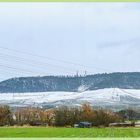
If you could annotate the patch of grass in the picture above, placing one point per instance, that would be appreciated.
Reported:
(68, 132)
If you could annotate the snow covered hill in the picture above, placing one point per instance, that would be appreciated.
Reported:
(113, 98)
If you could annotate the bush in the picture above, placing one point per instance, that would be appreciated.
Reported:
(5, 116)
(65, 116)
(104, 118)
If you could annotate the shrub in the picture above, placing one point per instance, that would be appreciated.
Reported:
(5, 116)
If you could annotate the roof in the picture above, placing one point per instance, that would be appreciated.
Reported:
(86, 123)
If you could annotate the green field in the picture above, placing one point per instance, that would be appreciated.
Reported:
(68, 132)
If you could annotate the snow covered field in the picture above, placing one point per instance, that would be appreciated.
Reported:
(101, 97)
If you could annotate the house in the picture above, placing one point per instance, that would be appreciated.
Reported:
(83, 125)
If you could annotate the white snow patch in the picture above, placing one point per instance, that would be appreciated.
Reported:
(105, 95)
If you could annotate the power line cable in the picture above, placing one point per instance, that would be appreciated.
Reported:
(18, 69)
(54, 59)
(31, 62)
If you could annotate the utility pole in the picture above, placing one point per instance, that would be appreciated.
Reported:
(77, 73)
(85, 73)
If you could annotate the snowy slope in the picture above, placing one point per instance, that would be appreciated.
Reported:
(113, 97)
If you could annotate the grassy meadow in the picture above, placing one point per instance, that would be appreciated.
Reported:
(41, 132)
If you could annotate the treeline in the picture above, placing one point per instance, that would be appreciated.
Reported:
(62, 116)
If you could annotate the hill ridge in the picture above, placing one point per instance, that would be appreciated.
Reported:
(124, 80)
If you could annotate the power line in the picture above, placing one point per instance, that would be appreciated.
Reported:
(18, 69)
(32, 62)
(7, 72)
(54, 59)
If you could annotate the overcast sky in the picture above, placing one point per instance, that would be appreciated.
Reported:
(62, 38)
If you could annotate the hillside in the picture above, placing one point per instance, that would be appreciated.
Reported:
(112, 98)
(71, 84)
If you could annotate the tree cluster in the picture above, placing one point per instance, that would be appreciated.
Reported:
(61, 116)
(65, 116)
